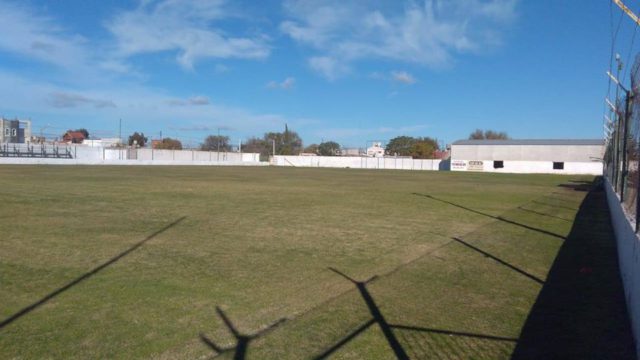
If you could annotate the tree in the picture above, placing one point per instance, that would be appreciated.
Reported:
(287, 143)
(311, 149)
(84, 132)
(169, 144)
(215, 143)
(138, 138)
(417, 148)
(400, 145)
(478, 134)
(424, 148)
(257, 145)
(329, 148)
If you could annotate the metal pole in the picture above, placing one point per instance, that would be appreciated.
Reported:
(273, 141)
(625, 131)
(218, 144)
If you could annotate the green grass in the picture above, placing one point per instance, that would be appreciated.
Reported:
(258, 243)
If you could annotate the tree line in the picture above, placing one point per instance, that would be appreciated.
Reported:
(289, 142)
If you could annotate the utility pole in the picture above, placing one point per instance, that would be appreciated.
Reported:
(273, 141)
(218, 141)
(120, 130)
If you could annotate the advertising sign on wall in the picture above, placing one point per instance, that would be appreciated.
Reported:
(458, 165)
(475, 165)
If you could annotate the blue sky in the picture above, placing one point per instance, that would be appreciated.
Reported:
(348, 71)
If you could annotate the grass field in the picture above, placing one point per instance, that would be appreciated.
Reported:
(131, 262)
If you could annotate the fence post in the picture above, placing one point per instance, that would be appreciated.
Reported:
(625, 131)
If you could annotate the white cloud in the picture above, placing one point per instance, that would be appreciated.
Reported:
(184, 27)
(71, 100)
(285, 84)
(192, 101)
(143, 107)
(427, 33)
(30, 34)
(403, 77)
(328, 67)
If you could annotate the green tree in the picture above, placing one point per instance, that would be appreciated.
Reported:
(329, 148)
(478, 134)
(424, 148)
(138, 138)
(215, 142)
(417, 148)
(400, 146)
(169, 144)
(287, 142)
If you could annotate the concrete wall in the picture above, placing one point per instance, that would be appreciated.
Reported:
(566, 153)
(528, 167)
(53, 161)
(356, 162)
(87, 155)
(629, 258)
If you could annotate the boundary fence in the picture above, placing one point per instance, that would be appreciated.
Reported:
(622, 151)
(359, 162)
(622, 155)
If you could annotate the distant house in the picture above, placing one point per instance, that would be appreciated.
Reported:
(375, 150)
(73, 137)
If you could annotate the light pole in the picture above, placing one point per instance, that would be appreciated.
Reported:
(218, 143)
(42, 128)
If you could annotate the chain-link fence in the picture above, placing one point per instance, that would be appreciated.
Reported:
(622, 144)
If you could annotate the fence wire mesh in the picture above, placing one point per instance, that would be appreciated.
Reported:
(622, 152)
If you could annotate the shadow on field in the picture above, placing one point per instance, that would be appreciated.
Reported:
(500, 218)
(242, 340)
(580, 313)
(85, 276)
(405, 341)
(500, 261)
(412, 348)
(543, 214)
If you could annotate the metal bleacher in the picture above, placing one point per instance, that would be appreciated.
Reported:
(35, 151)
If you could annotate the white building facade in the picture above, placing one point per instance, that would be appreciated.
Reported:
(572, 156)
(15, 131)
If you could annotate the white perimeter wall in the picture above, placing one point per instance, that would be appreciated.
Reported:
(356, 162)
(532, 167)
(85, 155)
(628, 258)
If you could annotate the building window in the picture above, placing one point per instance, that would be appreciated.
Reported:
(498, 164)
(14, 132)
(7, 131)
(558, 165)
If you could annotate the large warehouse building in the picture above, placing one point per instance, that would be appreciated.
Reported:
(528, 156)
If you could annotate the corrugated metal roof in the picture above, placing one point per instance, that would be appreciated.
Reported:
(531, 142)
